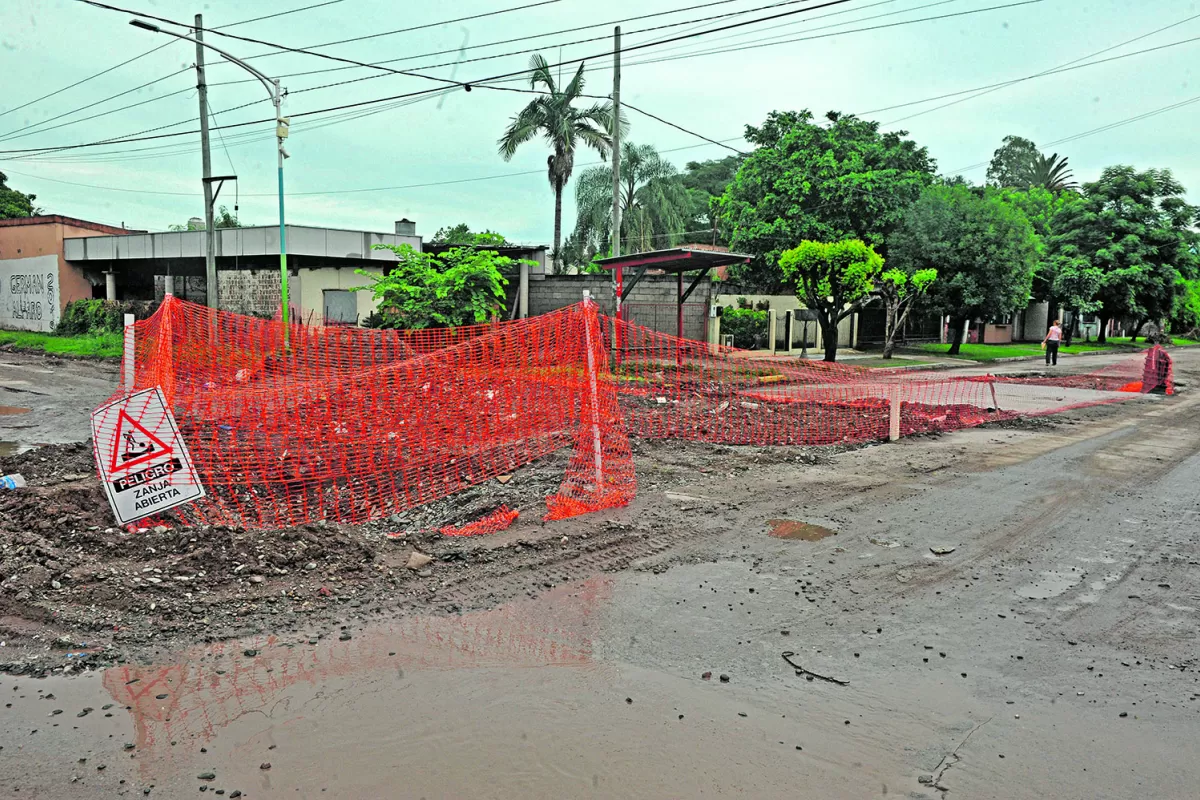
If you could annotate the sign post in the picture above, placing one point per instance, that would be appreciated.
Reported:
(143, 461)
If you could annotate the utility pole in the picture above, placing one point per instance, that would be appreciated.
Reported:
(616, 158)
(210, 234)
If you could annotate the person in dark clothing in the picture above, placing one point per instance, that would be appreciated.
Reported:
(1050, 343)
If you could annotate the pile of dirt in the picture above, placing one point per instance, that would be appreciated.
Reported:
(70, 575)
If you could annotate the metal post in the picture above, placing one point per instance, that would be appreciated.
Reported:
(128, 360)
(679, 318)
(210, 235)
(616, 156)
(280, 133)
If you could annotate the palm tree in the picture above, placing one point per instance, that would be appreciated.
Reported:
(655, 205)
(564, 127)
(1051, 172)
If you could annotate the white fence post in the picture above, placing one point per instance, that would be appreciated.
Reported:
(589, 311)
(894, 416)
(128, 355)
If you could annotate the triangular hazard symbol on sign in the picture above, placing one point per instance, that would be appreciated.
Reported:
(133, 444)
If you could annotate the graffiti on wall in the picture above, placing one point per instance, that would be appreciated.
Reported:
(29, 293)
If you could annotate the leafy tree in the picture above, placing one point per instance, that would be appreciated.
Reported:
(1040, 205)
(224, 218)
(834, 280)
(1135, 229)
(900, 292)
(805, 181)
(13, 203)
(1018, 164)
(1010, 163)
(462, 234)
(654, 203)
(461, 286)
(554, 116)
(705, 182)
(1185, 318)
(983, 249)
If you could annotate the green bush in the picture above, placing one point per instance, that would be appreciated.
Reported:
(748, 327)
(83, 317)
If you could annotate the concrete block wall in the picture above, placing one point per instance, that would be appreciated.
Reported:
(190, 288)
(249, 291)
(651, 302)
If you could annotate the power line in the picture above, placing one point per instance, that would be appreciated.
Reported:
(1061, 67)
(1100, 129)
(481, 83)
(27, 131)
(117, 66)
(605, 37)
(632, 107)
(764, 43)
(1002, 84)
(863, 113)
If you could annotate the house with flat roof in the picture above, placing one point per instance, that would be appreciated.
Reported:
(36, 278)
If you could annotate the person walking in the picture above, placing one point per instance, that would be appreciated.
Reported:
(1050, 343)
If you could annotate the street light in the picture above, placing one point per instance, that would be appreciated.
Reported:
(281, 132)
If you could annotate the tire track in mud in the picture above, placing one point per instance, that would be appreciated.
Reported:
(1134, 453)
(535, 565)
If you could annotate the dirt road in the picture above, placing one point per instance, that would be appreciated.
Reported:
(1014, 611)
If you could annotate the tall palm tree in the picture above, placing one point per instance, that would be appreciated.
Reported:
(564, 127)
(1051, 172)
(655, 205)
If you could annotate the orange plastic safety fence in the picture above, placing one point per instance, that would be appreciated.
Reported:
(494, 522)
(347, 424)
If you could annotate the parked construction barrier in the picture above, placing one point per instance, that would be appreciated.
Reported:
(347, 424)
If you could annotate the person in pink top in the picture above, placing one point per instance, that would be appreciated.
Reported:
(1050, 343)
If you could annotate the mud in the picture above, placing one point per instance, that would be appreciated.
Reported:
(1050, 652)
(791, 529)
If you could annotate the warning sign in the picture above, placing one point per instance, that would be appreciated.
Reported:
(143, 461)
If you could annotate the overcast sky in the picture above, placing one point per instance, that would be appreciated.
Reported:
(450, 140)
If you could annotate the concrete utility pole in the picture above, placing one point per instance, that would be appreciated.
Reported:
(616, 156)
(210, 234)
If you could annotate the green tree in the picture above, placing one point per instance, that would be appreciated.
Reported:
(984, 250)
(900, 291)
(1018, 164)
(832, 279)
(554, 116)
(1185, 318)
(462, 286)
(1040, 205)
(805, 181)
(1010, 163)
(462, 234)
(705, 182)
(13, 203)
(1135, 229)
(654, 203)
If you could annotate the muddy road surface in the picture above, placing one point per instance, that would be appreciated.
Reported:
(1003, 612)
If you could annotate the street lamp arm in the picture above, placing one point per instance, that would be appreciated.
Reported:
(267, 83)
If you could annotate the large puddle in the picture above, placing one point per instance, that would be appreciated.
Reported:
(507, 703)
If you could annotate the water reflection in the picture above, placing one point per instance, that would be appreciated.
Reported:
(208, 688)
